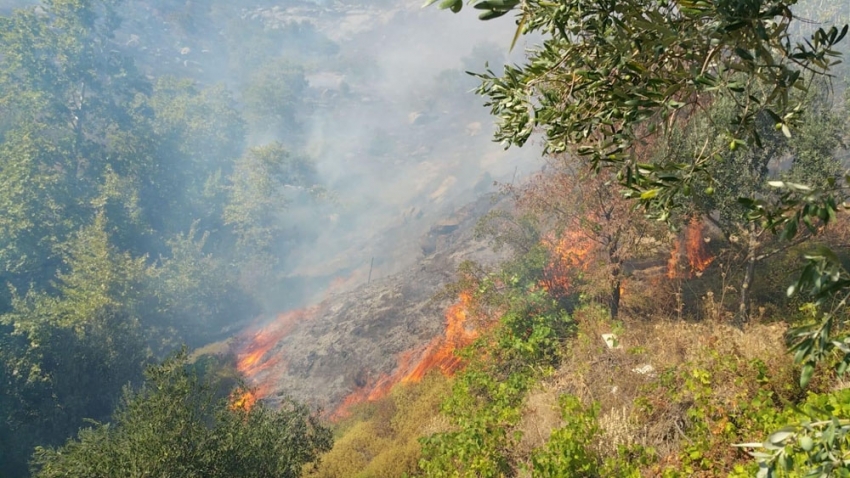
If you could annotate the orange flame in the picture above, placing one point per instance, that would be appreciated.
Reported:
(694, 250)
(698, 257)
(673, 262)
(438, 354)
(258, 365)
(243, 401)
(569, 254)
(255, 358)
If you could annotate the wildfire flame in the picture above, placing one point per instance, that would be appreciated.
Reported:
(440, 353)
(260, 367)
(243, 401)
(569, 254)
(673, 262)
(415, 364)
(254, 361)
(698, 257)
(695, 251)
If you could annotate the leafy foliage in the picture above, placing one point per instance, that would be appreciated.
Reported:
(273, 98)
(487, 397)
(263, 182)
(611, 74)
(612, 80)
(87, 337)
(818, 444)
(175, 426)
(115, 241)
(567, 451)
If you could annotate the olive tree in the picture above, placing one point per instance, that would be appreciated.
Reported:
(614, 79)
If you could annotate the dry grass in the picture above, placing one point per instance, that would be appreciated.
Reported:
(541, 415)
(618, 379)
(380, 439)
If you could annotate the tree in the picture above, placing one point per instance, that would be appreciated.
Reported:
(263, 182)
(67, 355)
(581, 206)
(37, 208)
(195, 293)
(274, 99)
(202, 135)
(73, 121)
(808, 156)
(613, 76)
(176, 426)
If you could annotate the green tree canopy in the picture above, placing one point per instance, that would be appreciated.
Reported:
(176, 426)
(613, 80)
(611, 76)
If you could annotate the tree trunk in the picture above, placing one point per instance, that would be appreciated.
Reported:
(743, 315)
(615, 297)
(615, 279)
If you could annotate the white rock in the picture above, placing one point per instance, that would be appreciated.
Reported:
(645, 369)
(611, 341)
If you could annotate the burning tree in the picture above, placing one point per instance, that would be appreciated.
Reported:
(689, 248)
(750, 173)
(592, 225)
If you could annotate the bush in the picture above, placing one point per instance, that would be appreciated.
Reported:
(174, 426)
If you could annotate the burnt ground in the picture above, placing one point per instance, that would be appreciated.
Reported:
(354, 336)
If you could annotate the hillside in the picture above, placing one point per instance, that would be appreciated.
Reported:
(290, 238)
(353, 341)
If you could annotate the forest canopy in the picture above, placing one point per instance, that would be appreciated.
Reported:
(129, 204)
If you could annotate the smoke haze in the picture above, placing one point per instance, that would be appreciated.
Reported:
(387, 113)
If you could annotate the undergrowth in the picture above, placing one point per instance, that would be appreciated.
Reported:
(380, 438)
(544, 395)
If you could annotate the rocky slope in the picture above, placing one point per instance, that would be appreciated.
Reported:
(348, 341)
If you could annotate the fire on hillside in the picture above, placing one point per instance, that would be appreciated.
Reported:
(693, 247)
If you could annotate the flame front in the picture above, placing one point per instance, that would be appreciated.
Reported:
(695, 251)
(243, 400)
(415, 364)
(440, 353)
(257, 362)
(253, 359)
(569, 254)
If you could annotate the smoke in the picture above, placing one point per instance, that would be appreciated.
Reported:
(375, 93)
(399, 138)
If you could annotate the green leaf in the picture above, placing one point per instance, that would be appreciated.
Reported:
(779, 437)
(650, 194)
(490, 15)
(454, 5)
(806, 374)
